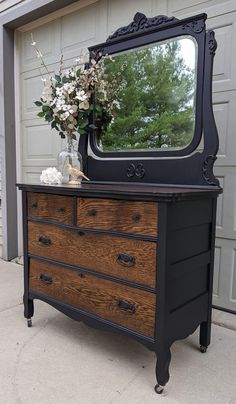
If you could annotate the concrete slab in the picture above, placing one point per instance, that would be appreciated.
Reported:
(60, 361)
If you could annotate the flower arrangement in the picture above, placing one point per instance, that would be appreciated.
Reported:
(65, 101)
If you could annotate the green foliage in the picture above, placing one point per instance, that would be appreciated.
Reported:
(156, 100)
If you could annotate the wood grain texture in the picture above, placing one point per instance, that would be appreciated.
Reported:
(98, 252)
(50, 207)
(95, 295)
(118, 215)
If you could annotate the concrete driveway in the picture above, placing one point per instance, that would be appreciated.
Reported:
(60, 361)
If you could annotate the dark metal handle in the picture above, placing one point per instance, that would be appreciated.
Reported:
(34, 205)
(127, 306)
(61, 210)
(136, 216)
(45, 278)
(44, 240)
(126, 260)
(81, 233)
(92, 212)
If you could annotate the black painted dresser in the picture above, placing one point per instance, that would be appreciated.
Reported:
(135, 259)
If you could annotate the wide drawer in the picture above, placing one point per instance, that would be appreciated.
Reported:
(130, 259)
(116, 215)
(129, 307)
(50, 207)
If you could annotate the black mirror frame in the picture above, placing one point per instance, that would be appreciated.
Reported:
(184, 166)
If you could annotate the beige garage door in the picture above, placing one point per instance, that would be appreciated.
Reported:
(73, 32)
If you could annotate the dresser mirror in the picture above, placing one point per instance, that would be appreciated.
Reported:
(155, 97)
(163, 129)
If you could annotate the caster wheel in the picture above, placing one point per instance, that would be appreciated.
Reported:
(203, 349)
(29, 322)
(158, 389)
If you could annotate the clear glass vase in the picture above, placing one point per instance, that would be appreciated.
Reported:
(70, 164)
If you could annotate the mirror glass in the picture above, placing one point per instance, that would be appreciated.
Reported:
(155, 97)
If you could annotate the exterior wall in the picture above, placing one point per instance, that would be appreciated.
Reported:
(70, 33)
(7, 4)
(0, 211)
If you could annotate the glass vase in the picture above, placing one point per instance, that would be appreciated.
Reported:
(70, 164)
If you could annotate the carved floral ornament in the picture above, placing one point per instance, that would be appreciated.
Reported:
(142, 23)
(139, 23)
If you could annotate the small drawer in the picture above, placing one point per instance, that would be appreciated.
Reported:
(129, 307)
(50, 207)
(125, 258)
(124, 216)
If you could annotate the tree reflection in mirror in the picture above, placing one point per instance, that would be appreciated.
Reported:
(155, 98)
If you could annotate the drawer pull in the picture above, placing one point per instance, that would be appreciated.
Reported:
(61, 210)
(34, 205)
(92, 212)
(127, 306)
(81, 233)
(46, 279)
(136, 217)
(44, 240)
(126, 260)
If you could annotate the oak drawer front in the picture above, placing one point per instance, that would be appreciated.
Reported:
(50, 207)
(123, 305)
(115, 215)
(130, 259)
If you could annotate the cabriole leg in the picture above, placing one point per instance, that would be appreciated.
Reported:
(162, 369)
(205, 335)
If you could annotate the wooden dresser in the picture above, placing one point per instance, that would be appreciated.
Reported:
(133, 250)
(135, 259)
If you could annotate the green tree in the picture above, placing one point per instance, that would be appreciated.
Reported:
(155, 94)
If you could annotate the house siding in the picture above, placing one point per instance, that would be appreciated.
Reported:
(0, 211)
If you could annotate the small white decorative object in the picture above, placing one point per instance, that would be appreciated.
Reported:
(51, 176)
(75, 175)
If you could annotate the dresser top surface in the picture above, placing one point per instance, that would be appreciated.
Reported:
(130, 191)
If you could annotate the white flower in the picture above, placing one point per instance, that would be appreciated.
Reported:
(80, 95)
(69, 73)
(71, 126)
(69, 87)
(59, 91)
(51, 176)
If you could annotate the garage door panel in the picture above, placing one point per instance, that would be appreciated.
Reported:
(121, 12)
(224, 292)
(225, 62)
(226, 217)
(219, 214)
(224, 107)
(221, 113)
(233, 295)
(81, 29)
(216, 279)
(46, 37)
(32, 173)
(181, 7)
(41, 145)
(31, 88)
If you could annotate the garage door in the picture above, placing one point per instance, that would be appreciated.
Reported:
(72, 32)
